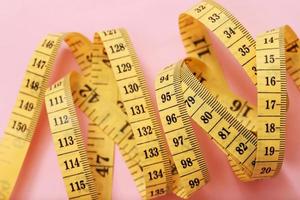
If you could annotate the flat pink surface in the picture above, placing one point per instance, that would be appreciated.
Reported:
(153, 28)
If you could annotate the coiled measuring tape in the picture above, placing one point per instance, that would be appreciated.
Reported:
(258, 151)
(98, 97)
(144, 157)
(112, 92)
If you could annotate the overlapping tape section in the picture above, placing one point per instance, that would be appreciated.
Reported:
(111, 91)
(259, 154)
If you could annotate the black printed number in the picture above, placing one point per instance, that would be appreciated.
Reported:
(156, 192)
(206, 117)
(137, 109)
(269, 151)
(71, 164)
(270, 104)
(84, 92)
(171, 118)
(117, 48)
(214, 17)
(241, 148)
(178, 141)
(186, 163)
(270, 127)
(28, 106)
(34, 85)
(229, 32)
(269, 40)
(151, 152)
(77, 185)
(265, 170)
(164, 78)
(124, 67)
(190, 101)
(269, 59)
(131, 88)
(66, 141)
(56, 100)
(48, 43)
(61, 120)
(102, 170)
(270, 81)
(237, 105)
(244, 50)
(39, 63)
(110, 32)
(199, 8)
(155, 174)
(145, 130)
(194, 182)
(165, 97)
(19, 126)
(223, 133)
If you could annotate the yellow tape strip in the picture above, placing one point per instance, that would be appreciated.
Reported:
(25, 114)
(252, 154)
(141, 163)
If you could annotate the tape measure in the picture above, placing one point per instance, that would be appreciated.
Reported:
(112, 92)
(147, 165)
(259, 153)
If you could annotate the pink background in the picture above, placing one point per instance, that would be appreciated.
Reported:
(153, 28)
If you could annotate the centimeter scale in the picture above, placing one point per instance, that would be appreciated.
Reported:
(112, 92)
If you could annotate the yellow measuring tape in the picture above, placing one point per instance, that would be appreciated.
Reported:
(145, 157)
(111, 91)
(257, 153)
